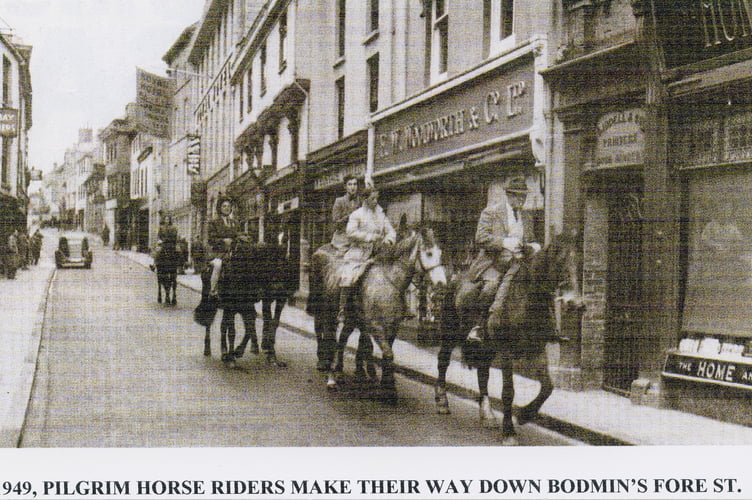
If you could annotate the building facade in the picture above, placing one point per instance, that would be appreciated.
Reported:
(656, 152)
(15, 122)
(116, 140)
(183, 156)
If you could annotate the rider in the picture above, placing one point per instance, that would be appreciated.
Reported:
(168, 234)
(368, 228)
(221, 233)
(501, 234)
(343, 207)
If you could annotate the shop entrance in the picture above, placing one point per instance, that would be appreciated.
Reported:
(623, 289)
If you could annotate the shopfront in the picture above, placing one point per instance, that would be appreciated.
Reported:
(437, 156)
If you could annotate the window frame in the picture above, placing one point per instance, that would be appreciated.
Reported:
(341, 13)
(339, 86)
(502, 26)
(282, 28)
(439, 48)
(372, 64)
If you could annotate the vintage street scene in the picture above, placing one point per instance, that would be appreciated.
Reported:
(376, 223)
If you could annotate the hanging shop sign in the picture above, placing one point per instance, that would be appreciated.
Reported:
(736, 373)
(694, 30)
(488, 108)
(715, 141)
(8, 122)
(621, 139)
(193, 155)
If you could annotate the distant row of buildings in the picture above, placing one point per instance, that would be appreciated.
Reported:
(630, 120)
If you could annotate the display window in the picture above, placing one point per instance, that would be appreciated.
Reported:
(718, 298)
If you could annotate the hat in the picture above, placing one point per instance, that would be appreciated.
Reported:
(516, 185)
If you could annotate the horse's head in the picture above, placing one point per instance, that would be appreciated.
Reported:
(559, 267)
(428, 256)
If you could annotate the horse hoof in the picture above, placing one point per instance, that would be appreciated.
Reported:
(207, 351)
(510, 441)
(331, 382)
(525, 417)
(227, 358)
(272, 360)
(254, 348)
(371, 371)
(322, 366)
(442, 403)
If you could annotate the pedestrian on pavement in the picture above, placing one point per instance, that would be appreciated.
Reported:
(106, 235)
(23, 249)
(12, 255)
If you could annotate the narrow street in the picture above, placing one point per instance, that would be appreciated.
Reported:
(117, 369)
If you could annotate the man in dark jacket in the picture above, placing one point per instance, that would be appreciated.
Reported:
(222, 232)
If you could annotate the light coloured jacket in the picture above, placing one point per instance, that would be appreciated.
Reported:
(365, 227)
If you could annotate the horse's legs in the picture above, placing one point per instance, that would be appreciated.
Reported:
(207, 341)
(444, 357)
(364, 365)
(344, 336)
(174, 285)
(227, 331)
(487, 414)
(159, 289)
(269, 334)
(507, 398)
(249, 325)
(541, 374)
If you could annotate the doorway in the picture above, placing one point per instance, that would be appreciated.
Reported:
(623, 291)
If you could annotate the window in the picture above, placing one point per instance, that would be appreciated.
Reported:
(282, 42)
(262, 69)
(241, 104)
(249, 90)
(340, 90)
(373, 15)
(502, 25)
(6, 82)
(373, 83)
(341, 28)
(5, 161)
(439, 48)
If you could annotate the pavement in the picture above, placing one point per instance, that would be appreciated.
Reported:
(596, 417)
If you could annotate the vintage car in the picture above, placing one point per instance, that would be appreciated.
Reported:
(73, 251)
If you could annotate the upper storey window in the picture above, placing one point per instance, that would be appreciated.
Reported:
(502, 25)
(439, 40)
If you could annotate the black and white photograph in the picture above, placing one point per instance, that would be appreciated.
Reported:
(410, 249)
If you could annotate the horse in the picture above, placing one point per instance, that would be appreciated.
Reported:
(378, 304)
(521, 332)
(254, 273)
(166, 262)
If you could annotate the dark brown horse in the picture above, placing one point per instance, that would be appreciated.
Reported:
(520, 333)
(379, 305)
(166, 264)
(254, 273)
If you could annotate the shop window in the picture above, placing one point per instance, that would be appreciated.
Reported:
(340, 92)
(439, 43)
(373, 83)
(718, 297)
(249, 90)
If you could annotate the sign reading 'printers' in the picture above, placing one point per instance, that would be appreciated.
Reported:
(621, 140)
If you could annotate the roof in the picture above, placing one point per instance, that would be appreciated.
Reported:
(180, 44)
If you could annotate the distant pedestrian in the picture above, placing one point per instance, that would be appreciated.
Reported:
(12, 255)
(23, 249)
(106, 235)
(36, 246)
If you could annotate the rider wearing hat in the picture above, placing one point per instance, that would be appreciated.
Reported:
(222, 232)
(501, 234)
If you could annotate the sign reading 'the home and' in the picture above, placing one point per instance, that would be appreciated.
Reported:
(737, 373)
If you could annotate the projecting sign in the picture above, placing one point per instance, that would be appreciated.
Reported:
(8, 122)
(193, 155)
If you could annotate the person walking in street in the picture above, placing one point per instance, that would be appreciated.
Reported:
(23, 249)
(106, 235)
(501, 234)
